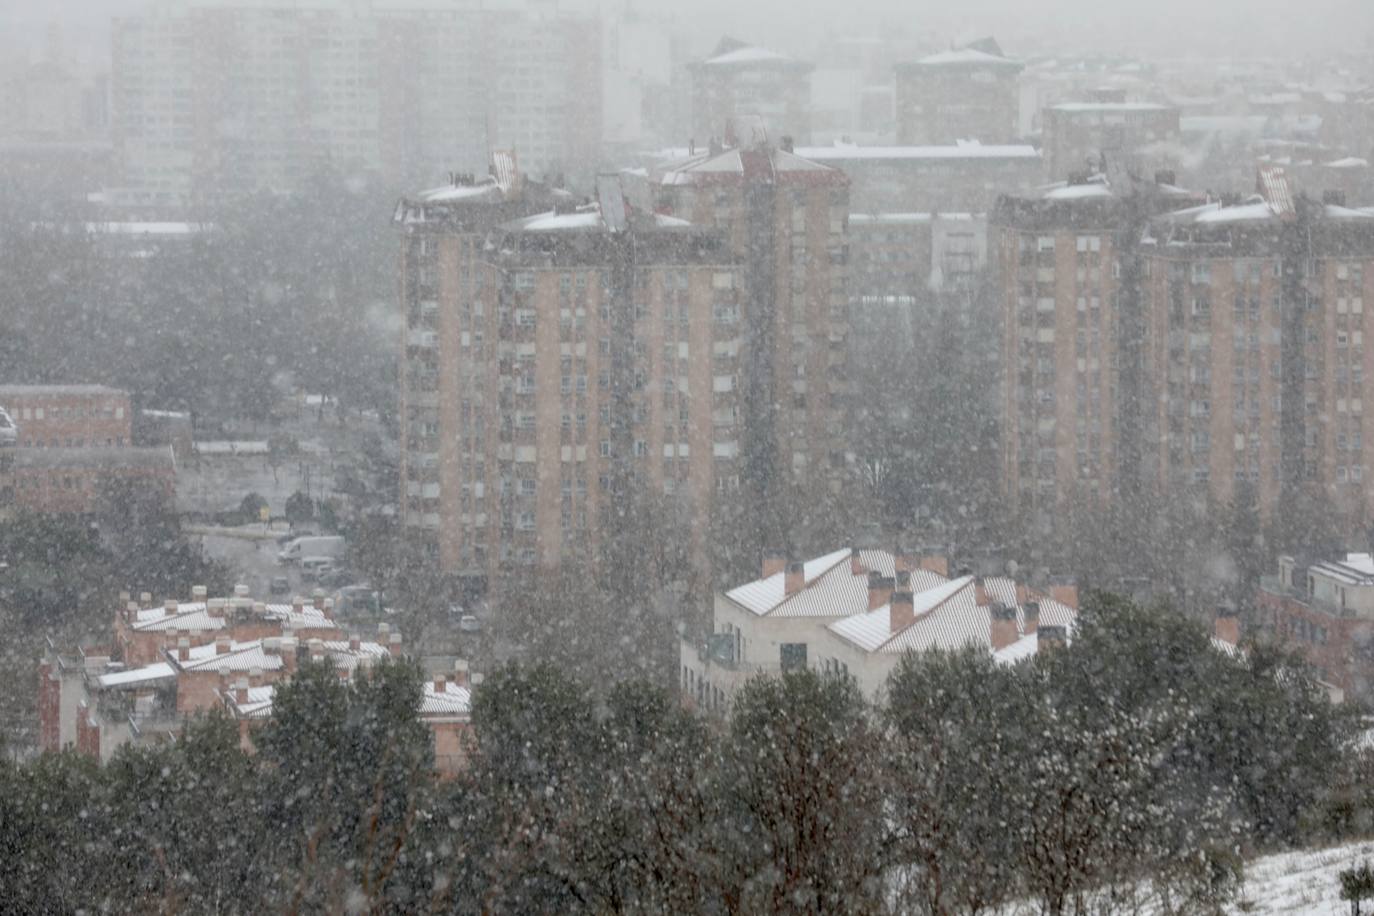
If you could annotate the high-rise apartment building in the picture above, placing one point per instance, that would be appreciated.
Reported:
(1071, 295)
(743, 81)
(567, 362)
(239, 95)
(967, 93)
(1140, 135)
(786, 220)
(1214, 349)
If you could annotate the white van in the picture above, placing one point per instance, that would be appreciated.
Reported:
(9, 433)
(320, 546)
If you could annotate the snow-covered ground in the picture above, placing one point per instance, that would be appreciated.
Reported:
(1299, 882)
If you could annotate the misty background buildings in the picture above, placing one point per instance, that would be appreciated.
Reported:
(528, 290)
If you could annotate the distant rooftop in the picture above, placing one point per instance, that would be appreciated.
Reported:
(93, 458)
(33, 391)
(965, 149)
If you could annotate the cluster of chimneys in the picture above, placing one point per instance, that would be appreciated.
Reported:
(241, 603)
(460, 677)
(896, 592)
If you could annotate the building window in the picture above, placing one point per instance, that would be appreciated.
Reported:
(792, 656)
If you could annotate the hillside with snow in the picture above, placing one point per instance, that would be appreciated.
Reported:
(1299, 882)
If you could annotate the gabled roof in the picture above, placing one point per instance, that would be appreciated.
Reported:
(949, 617)
(831, 588)
(967, 57)
(766, 164)
(192, 616)
(455, 701)
(242, 656)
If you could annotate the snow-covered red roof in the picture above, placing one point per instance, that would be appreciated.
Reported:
(455, 701)
(241, 656)
(964, 149)
(193, 616)
(831, 588)
(966, 57)
(751, 54)
(948, 616)
(764, 164)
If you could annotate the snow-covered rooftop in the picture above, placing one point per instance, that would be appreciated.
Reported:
(1108, 107)
(948, 616)
(963, 57)
(751, 54)
(455, 700)
(137, 676)
(966, 149)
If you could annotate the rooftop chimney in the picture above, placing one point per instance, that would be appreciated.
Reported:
(980, 592)
(287, 651)
(879, 590)
(198, 593)
(242, 591)
(316, 649)
(856, 565)
(936, 564)
(215, 607)
(1002, 625)
(145, 598)
(1051, 638)
(1031, 613)
(460, 672)
(902, 613)
(440, 684)
(317, 597)
(1021, 594)
(794, 579)
(329, 608)
(395, 645)
(254, 677)
(298, 604)
(1065, 591)
(222, 644)
(773, 563)
(355, 642)
(477, 679)
(1228, 625)
(169, 607)
(183, 648)
(241, 691)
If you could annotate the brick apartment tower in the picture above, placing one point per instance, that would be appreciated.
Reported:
(571, 358)
(967, 93)
(1150, 343)
(740, 80)
(786, 220)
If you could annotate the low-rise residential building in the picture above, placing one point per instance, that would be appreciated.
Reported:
(75, 480)
(171, 662)
(1326, 610)
(856, 612)
(69, 416)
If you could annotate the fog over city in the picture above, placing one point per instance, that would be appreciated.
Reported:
(561, 456)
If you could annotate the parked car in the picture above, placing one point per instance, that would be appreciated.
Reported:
(280, 585)
(312, 568)
(469, 624)
(337, 578)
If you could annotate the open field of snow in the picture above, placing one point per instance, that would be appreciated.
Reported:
(1299, 882)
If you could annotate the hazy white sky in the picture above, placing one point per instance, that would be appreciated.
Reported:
(1154, 27)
